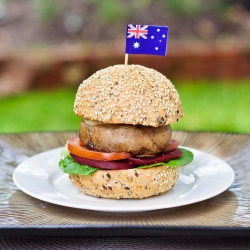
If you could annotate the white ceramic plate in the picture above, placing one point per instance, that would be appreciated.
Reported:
(40, 177)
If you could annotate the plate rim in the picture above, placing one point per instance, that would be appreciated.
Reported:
(112, 210)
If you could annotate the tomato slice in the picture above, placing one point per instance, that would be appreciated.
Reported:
(75, 147)
(173, 144)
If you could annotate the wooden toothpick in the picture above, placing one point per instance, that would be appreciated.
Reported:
(126, 59)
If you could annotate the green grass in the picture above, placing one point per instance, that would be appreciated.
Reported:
(217, 106)
(39, 111)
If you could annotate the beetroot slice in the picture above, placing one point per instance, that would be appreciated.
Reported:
(162, 157)
(111, 165)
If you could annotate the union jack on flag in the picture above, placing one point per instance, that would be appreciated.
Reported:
(137, 31)
(146, 39)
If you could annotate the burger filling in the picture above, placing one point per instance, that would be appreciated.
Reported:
(79, 159)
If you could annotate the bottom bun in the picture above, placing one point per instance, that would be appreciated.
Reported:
(127, 184)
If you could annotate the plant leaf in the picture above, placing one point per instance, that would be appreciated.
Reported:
(186, 157)
(69, 166)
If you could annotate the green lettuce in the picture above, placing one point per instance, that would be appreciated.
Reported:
(69, 166)
(186, 157)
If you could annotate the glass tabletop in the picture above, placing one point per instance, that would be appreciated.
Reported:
(225, 214)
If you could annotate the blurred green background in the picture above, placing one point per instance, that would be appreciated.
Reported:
(47, 47)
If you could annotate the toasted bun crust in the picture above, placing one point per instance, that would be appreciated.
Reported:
(127, 184)
(130, 94)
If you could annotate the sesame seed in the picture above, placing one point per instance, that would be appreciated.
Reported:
(148, 91)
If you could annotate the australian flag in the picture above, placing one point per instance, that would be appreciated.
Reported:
(146, 39)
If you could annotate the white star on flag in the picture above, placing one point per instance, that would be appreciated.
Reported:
(136, 45)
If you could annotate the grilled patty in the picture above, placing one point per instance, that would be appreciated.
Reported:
(136, 139)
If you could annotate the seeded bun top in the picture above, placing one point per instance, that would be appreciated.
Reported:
(131, 94)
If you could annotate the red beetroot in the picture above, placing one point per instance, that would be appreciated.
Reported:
(162, 157)
(112, 165)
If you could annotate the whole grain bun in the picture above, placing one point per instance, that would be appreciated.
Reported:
(127, 184)
(131, 94)
(138, 140)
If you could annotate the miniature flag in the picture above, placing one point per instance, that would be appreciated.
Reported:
(146, 39)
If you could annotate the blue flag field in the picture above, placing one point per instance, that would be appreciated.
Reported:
(146, 39)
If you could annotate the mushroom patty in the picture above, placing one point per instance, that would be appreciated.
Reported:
(136, 139)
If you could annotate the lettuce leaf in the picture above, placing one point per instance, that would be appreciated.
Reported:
(65, 152)
(186, 157)
(69, 166)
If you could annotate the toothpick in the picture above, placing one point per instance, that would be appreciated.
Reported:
(126, 59)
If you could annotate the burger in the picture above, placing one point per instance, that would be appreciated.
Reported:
(125, 147)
